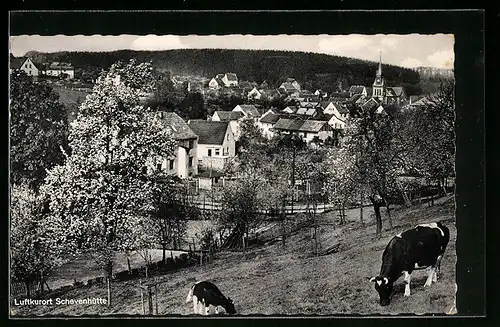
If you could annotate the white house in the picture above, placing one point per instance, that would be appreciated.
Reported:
(306, 129)
(61, 68)
(248, 110)
(25, 64)
(266, 123)
(184, 162)
(233, 118)
(254, 94)
(216, 143)
(230, 79)
(215, 83)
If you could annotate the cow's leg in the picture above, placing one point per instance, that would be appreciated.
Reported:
(438, 264)
(207, 310)
(195, 304)
(216, 310)
(407, 279)
(428, 282)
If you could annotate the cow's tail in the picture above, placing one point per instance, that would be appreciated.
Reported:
(189, 297)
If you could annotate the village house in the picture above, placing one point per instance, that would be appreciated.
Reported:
(27, 65)
(290, 109)
(290, 84)
(216, 143)
(248, 110)
(254, 94)
(58, 69)
(184, 162)
(306, 129)
(357, 89)
(307, 112)
(216, 82)
(231, 117)
(230, 79)
(267, 121)
(334, 108)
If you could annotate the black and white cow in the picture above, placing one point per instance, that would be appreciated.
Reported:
(205, 293)
(416, 248)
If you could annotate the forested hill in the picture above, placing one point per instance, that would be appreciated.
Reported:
(250, 65)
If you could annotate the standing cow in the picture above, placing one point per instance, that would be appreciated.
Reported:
(206, 293)
(416, 248)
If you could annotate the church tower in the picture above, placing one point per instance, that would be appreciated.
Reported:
(378, 84)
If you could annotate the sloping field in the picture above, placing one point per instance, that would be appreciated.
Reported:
(290, 280)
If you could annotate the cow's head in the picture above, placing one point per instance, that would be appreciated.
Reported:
(229, 307)
(384, 288)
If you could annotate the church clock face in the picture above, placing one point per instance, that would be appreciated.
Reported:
(378, 80)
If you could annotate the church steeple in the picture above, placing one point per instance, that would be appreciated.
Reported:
(379, 70)
(378, 84)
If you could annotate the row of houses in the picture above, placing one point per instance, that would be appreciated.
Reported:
(32, 68)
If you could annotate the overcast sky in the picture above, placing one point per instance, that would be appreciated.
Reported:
(410, 50)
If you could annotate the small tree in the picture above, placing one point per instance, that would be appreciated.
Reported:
(34, 250)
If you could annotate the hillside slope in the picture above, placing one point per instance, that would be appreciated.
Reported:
(272, 280)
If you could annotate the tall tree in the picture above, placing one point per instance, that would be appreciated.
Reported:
(38, 128)
(97, 196)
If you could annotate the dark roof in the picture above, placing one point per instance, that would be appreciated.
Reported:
(16, 63)
(395, 91)
(229, 115)
(370, 104)
(356, 89)
(288, 124)
(312, 126)
(231, 77)
(369, 91)
(288, 87)
(354, 98)
(60, 65)
(250, 110)
(290, 80)
(270, 118)
(209, 132)
(176, 125)
(340, 95)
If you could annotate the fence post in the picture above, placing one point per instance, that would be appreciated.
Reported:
(150, 300)
(142, 298)
(156, 296)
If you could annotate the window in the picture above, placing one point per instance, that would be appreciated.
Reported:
(171, 164)
(209, 152)
(217, 152)
(191, 144)
(158, 167)
(190, 162)
(305, 135)
(227, 137)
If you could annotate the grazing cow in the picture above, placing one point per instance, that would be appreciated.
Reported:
(416, 248)
(206, 294)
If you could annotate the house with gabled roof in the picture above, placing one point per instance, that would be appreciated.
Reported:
(25, 64)
(233, 118)
(248, 110)
(395, 95)
(267, 121)
(58, 69)
(254, 94)
(370, 105)
(357, 89)
(184, 162)
(230, 79)
(306, 129)
(216, 143)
